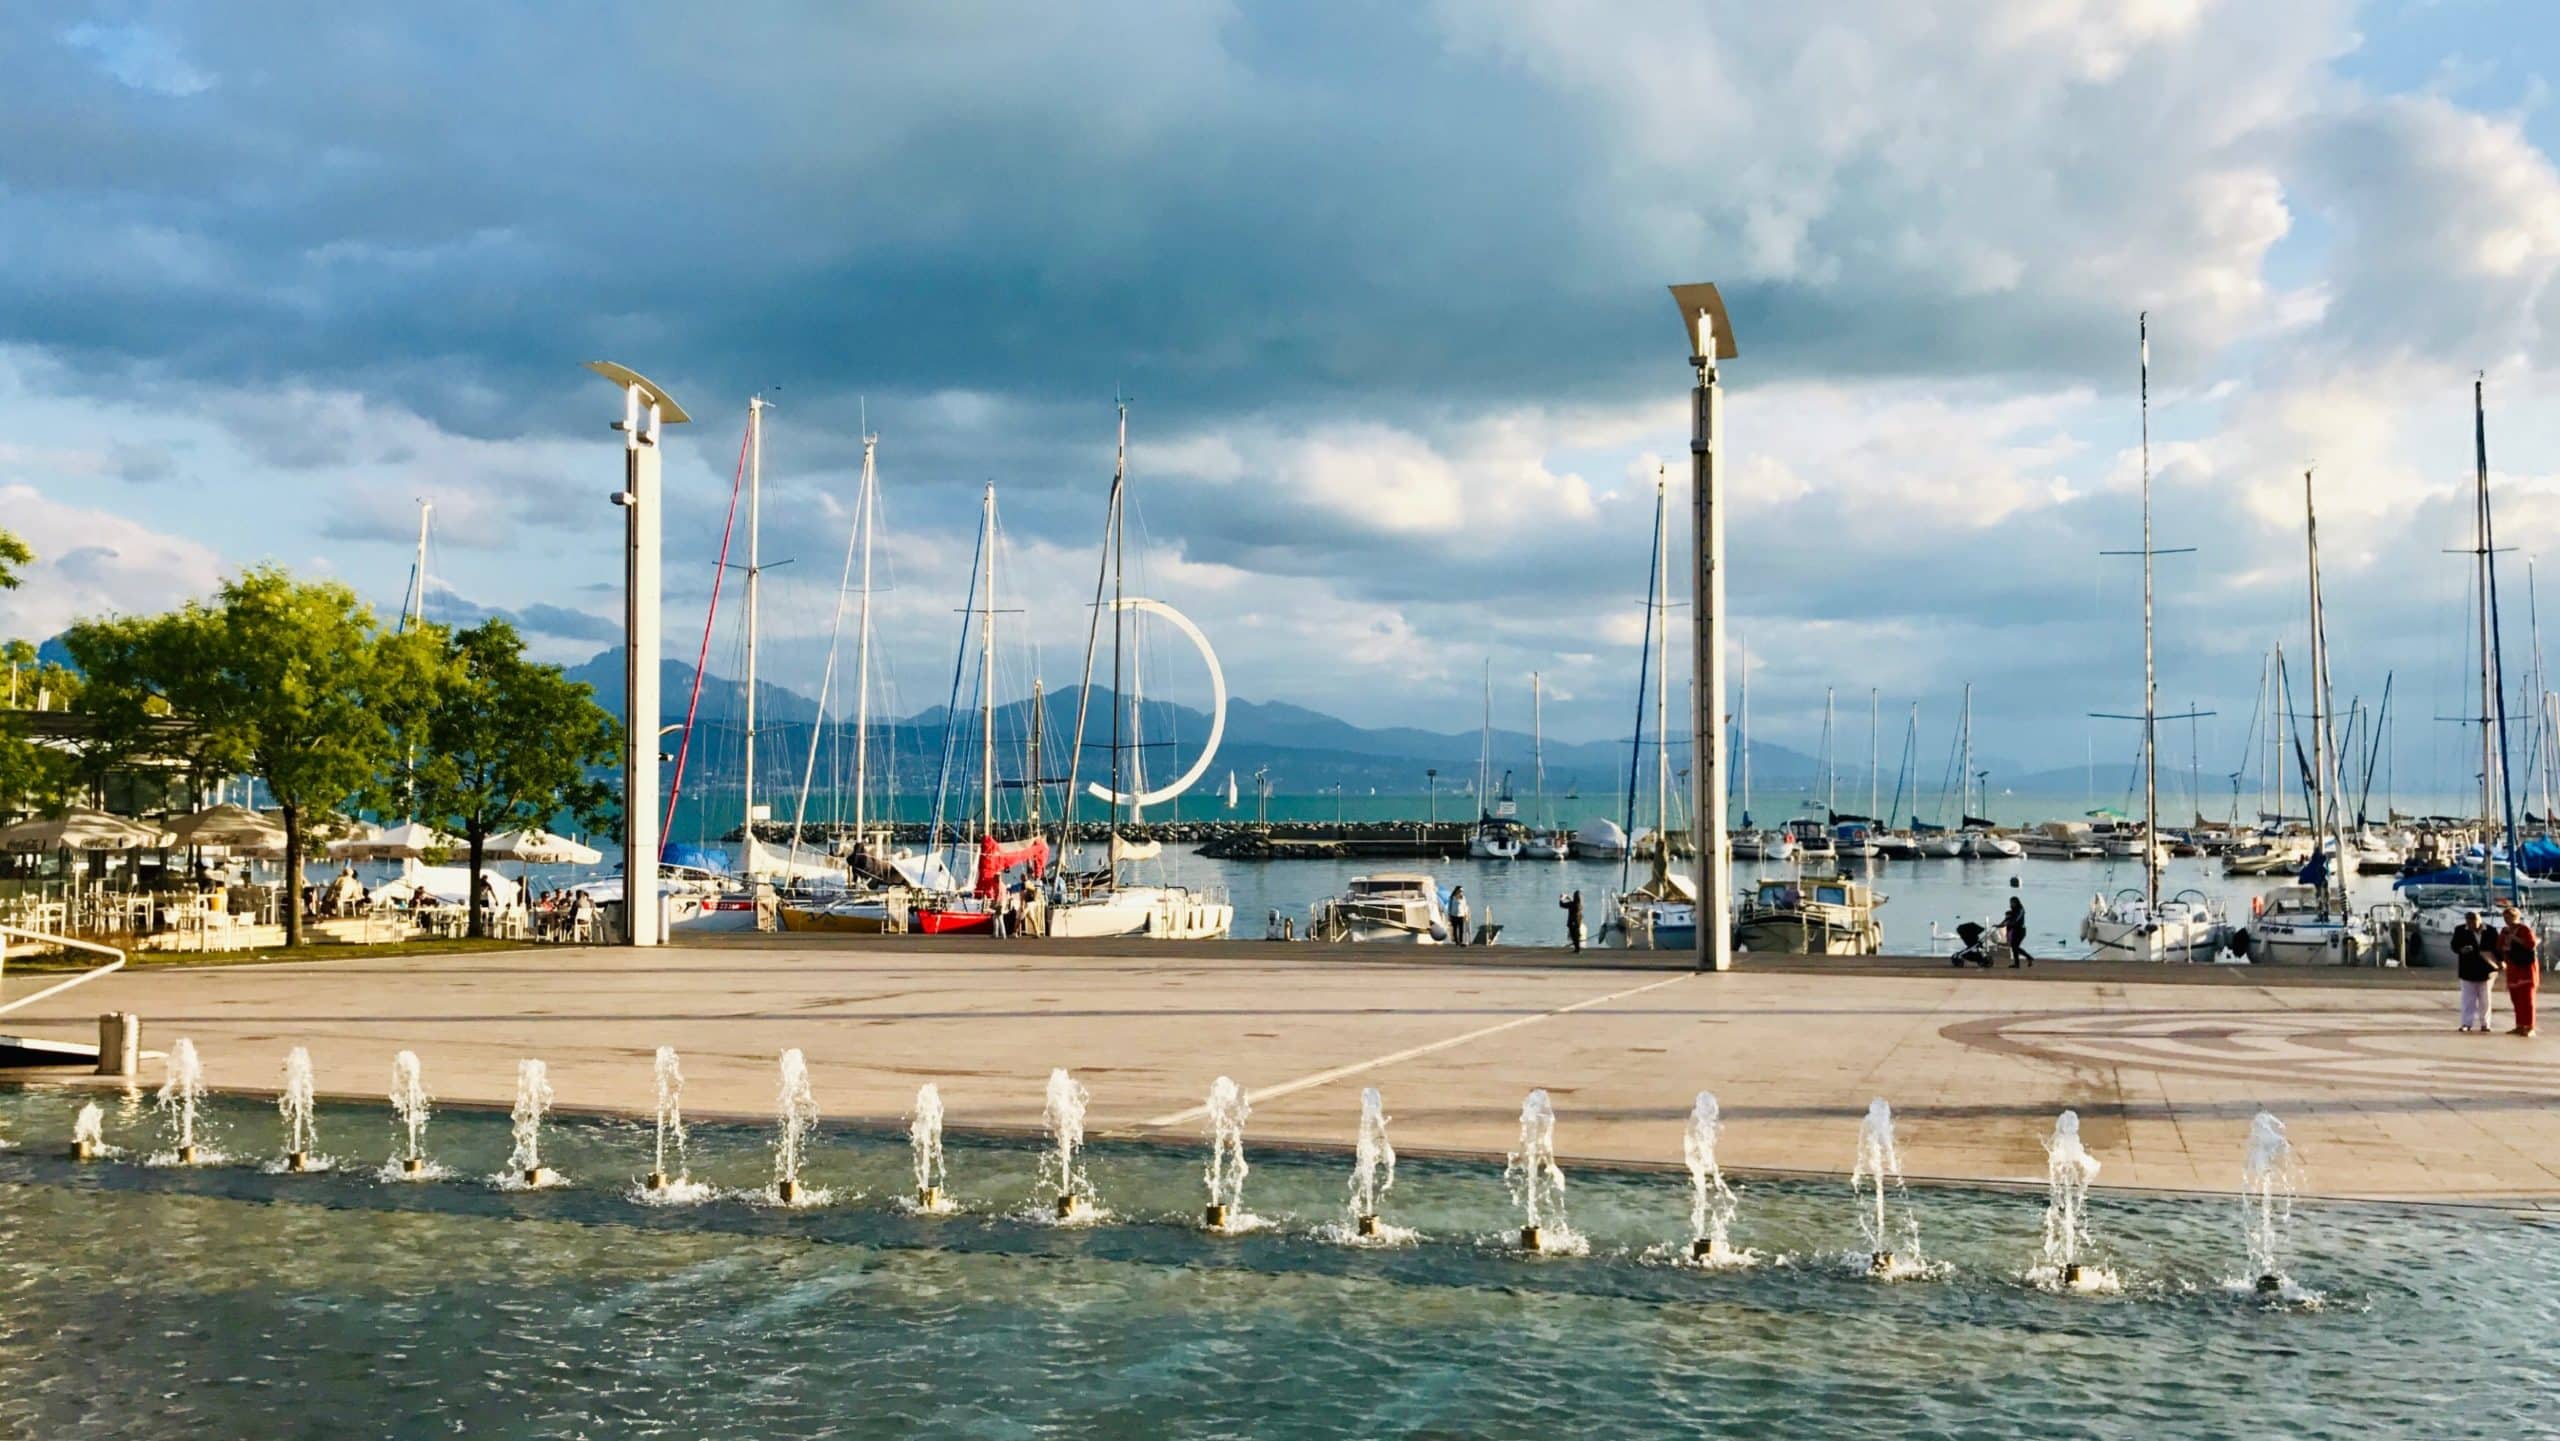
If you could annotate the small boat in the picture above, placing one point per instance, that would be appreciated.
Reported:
(2059, 841)
(1546, 846)
(1816, 915)
(1897, 845)
(1983, 845)
(1543, 842)
(1602, 839)
(2186, 927)
(1495, 839)
(1763, 845)
(1811, 840)
(1391, 907)
(2306, 924)
(1660, 915)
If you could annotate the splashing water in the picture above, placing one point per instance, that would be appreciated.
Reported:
(1226, 1171)
(2069, 1169)
(924, 1141)
(2269, 1175)
(796, 1115)
(1892, 1232)
(1712, 1203)
(533, 1099)
(89, 1130)
(1373, 1164)
(1061, 1172)
(409, 1102)
(297, 1103)
(181, 1091)
(1537, 1185)
(670, 1080)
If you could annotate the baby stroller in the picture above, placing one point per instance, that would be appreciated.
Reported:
(1982, 946)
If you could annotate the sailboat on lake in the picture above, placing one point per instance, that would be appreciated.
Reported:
(1662, 913)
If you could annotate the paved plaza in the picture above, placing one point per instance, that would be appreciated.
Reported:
(2383, 1097)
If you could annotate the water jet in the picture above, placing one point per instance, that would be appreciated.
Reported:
(1537, 1185)
(796, 1109)
(181, 1090)
(1062, 1115)
(89, 1133)
(296, 1103)
(409, 1102)
(1712, 1203)
(670, 1118)
(1225, 1175)
(1373, 1165)
(533, 1099)
(924, 1145)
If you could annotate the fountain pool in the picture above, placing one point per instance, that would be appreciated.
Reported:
(462, 1306)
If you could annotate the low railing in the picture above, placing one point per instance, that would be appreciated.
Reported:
(115, 962)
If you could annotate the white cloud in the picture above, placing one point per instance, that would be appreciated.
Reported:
(93, 563)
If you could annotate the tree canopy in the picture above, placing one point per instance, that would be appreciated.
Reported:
(14, 556)
(507, 744)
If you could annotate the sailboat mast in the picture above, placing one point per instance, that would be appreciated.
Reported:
(1661, 698)
(1119, 578)
(2150, 676)
(1745, 725)
(2488, 654)
(1830, 772)
(868, 519)
(1538, 744)
(2495, 675)
(755, 573)
(987, 671)
(1872, 755)
(2318, 792)
(1964, 782)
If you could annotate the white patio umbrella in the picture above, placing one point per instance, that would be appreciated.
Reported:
(539, 848)
(232, 827)
(80, 829)
(407, 841)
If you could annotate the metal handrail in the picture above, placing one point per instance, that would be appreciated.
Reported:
(115, 963)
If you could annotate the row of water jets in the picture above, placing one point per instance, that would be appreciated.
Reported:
(1886, 1220)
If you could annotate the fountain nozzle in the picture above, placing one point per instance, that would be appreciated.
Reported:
(657, 1180)
(1214, 1216)
(413, 1165)
(1366, 1225)
(2269, 1285)
(2071, 1273)
(1531, 1240)
(84, 1150)
(787, 1190)
(532, 1176)
(1880, 1263)
(1068, 1205)
(1708, 1248)
(186, 1155)
(298, 1161)
(928, 1198)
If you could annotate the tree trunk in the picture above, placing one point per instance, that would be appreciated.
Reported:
(479, 838)
(292, 874)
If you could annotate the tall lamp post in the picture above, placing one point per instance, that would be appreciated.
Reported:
(645, 408)
(1710, 337)
(1433, 777)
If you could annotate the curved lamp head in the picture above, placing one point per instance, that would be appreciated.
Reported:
(1694, 301)
(623, 375)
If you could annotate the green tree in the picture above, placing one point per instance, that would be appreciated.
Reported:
(508, 744)
(289, 681)
(13, 555)
(32, 777)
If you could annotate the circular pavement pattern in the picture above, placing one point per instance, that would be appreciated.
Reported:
(2391, 1050)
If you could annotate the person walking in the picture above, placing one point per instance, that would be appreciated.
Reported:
(1457, 915)
(2521, 950)
(2472, 969)
(1572, 904)
(2013, 929)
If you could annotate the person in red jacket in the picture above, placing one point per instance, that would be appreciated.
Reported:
(2520, 950)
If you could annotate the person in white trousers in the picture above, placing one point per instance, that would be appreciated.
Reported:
(2473, 969)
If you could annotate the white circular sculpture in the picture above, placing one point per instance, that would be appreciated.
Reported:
(1217, 710)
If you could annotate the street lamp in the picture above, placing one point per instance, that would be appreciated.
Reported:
(645, 408)
(1433, 776)
(1710, 337)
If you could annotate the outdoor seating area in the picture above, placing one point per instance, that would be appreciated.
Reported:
(214, 880)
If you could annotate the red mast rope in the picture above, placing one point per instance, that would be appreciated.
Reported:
(719, 577)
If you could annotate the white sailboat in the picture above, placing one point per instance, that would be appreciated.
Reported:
(1543, 842)
(1108, 902)
(1750, 842)
(2142, 925)
(2308, 922)
(1662, 913)
(1497, 833)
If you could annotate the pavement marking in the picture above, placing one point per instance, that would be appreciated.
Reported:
(1354, 1068)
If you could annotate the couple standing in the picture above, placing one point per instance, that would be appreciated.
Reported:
(2480, 953)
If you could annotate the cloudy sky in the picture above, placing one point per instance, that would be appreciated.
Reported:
(1384, 286)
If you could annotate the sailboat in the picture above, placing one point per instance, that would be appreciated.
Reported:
(1543, 842)
(1662, 913)
(735, 909)
(1892, 844)
(2443, 897)
(1750, 842)
(2140, 925)
(1497, 834)
(1106, 902)
(1976, 840)
(2308, 921)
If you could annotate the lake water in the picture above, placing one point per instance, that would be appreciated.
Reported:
(228, 1301)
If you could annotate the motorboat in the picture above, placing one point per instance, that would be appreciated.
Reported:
(1983, 845)
(1392, 907)
(1601, 839)
(1811, 840)
(1495, 838)
(2059, 841)
(2266, 856)
(1753, 844)
(1158, 912)
(1547, 846)
(1818, 915)
(1853, 840)
(2188, 926)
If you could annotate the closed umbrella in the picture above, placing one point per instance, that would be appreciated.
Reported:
(83, 830)
(539, 848)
